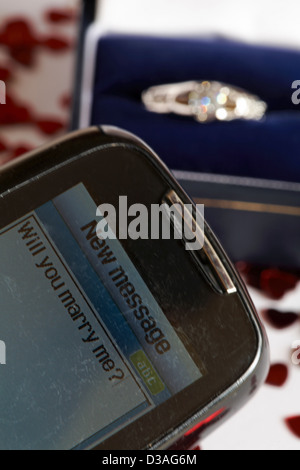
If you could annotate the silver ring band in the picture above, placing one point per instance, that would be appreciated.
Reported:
(205, 101)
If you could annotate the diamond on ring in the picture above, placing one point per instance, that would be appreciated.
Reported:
(206, 101)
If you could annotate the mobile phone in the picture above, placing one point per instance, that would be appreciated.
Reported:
(114, 342)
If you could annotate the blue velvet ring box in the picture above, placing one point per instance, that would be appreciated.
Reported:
(268, 149)
(254, 206)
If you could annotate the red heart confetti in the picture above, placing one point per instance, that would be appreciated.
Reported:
(24, 55)
(3, 146)
(278, 375)
(273, 282)
(293, 423)
(18, 36)
(250, 272)
(60, 15)
(5, 74)
(56, 43)
(276, 283)
(21, 150)
(66, 101)
(48, 126)
(14, 113)
(280, 320)
(18, 32)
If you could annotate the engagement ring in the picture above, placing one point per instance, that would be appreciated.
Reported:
(206, 101)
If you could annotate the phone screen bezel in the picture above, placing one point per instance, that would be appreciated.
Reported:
(139, 169)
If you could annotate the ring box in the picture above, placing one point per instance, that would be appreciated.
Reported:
(247, 173)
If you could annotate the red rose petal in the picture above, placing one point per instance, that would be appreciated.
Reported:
(293, 423)
(276, 283)
(50, 127)
(280, 320)
(278, 375)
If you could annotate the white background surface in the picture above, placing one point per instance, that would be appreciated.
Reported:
(267, 21)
